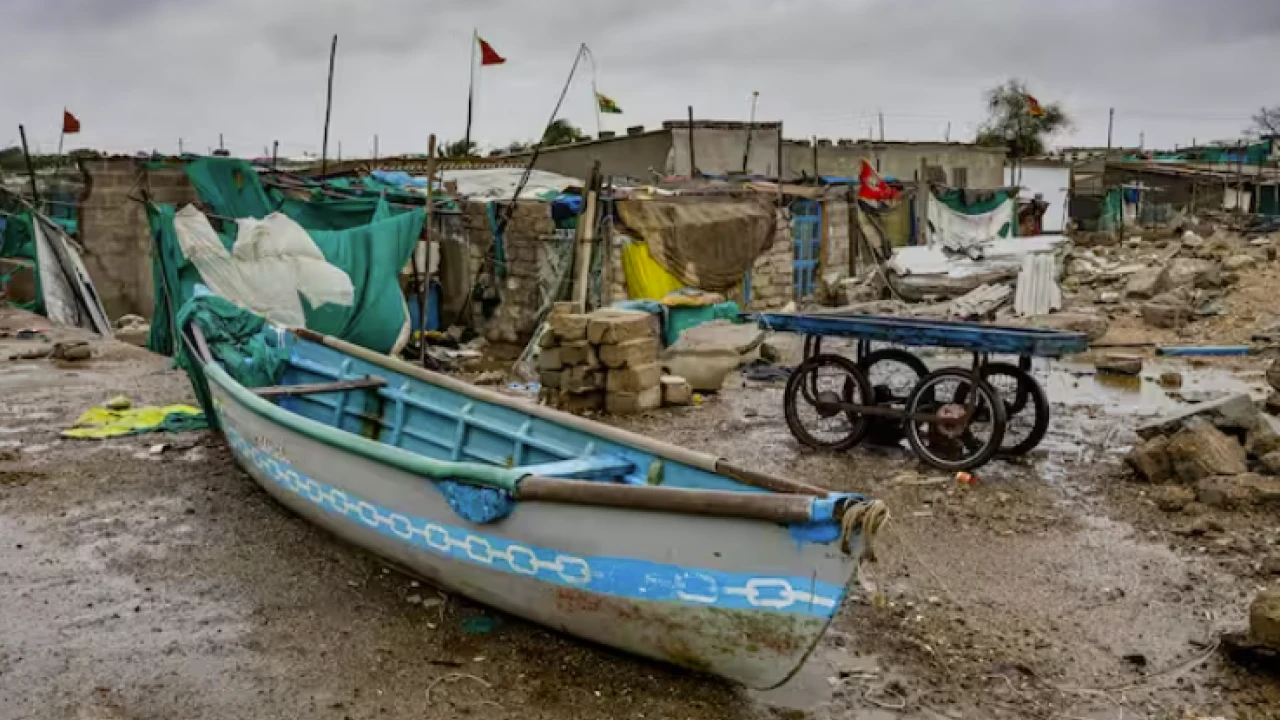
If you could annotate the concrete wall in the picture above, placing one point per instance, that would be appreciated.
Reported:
(528, 239)
(718, 147)
(983, 166)
(637, 156)
(114, 231)
(835, 238)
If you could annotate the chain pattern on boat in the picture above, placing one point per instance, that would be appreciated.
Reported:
(691, 586)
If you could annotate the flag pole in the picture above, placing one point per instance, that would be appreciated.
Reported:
(471, 91)
(62, 135)
(328, 108)
(595, 94)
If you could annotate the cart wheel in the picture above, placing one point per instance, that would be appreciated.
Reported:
(813, 402)
(1025, 405)
(946, 440)
(893, 374)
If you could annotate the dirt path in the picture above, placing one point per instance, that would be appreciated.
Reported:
(140, 584)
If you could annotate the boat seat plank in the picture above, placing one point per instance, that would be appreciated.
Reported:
(600, 466)
(365, 383)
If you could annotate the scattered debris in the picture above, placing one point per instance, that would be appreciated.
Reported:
(1120, 364)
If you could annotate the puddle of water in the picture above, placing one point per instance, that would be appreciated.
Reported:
(1077, 384)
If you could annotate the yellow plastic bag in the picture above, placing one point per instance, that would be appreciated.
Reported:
(100, 423)
(646, 279)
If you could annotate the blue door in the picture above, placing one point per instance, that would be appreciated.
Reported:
(806, 237)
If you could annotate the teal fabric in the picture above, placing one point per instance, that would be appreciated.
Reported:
(954, 199)
(19, 241)
(237, 342)
(230, 186)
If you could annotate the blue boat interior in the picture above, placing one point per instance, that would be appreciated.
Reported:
(444, 424)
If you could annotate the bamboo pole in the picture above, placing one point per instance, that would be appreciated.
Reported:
(328, 109)
(423, 266)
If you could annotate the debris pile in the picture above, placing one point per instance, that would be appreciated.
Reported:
(1223, 454)
(607, 359)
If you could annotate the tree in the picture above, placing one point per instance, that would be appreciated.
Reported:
(1266, 121)
(1011, 124)
(459, 149)
(518, 147)
(562, 132)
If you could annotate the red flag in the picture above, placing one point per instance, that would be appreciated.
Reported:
(871, 187)
(489, 56)
(1033, 107)
(70, 123)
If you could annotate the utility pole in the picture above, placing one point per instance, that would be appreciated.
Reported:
(881, 127)
(751, 125)
(947, 137)
(375, 148)
(275, 153)
(180, 151)
(1111, 120)
(1142, 139)
(693, 164)
(220, 145)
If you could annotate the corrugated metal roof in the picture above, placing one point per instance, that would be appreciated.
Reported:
(1038, 291)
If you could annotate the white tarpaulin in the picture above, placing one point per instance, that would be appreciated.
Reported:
(59, 300)
(70, 297)
(959, 232)
(923, 270)
(273, 264)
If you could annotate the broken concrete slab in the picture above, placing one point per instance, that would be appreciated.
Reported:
(1192, 272)
(1092, 325)
(1168, 310)
(1270, 462)
(1120, 364)
(1235, 263)
(1150, 459)
(1200, 450)
(1273, 374)
(1264, 437)
(1238, 492)
(1234, 412)
(1145, 284)
(1173, 498)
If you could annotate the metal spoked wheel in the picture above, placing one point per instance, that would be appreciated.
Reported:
(1025, 404)
(954, 435)
(815, 398)
(893, 374)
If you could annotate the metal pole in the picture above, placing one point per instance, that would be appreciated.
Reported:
(471, 91)
(220, 145)
(693, 163)
(180, 150)
(882, 127)
(328, 109)
(275, 153)
(31, 170)
(815, 160)
(1111, 119)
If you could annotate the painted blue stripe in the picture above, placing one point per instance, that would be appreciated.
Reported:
(618, 577)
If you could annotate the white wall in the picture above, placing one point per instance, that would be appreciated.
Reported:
(1052, 183)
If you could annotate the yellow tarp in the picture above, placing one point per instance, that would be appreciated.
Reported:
(646, 279)
(100, 423)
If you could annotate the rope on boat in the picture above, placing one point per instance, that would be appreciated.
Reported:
(865, 518)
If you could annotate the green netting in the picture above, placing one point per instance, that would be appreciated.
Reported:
(236, 341)
(230, 186)
(18, 241)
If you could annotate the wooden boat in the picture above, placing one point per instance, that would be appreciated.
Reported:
(614, 537)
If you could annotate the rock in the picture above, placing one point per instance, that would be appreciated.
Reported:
(610, 327)
(1171, 379)
(1167, 312)
(1192, 272)
(1150, 459)
(628, 403)
(1120, 364)
(1109, 297)
(549, 359)
(1273, 374)
(1234, 412)
(490, 377)
(1264, 618)
(1145, 284)
(1271, 462)
(566, 308)
(1173, 498)
(1272, 404)
(769, 351)
(550, 378)
(1264, 437)
(1200, 450)
(1238, 492)
(72, 351)
(413, 599)
(676, 390)
(634, 379)
(631, 352)
(1270, 565)
(1092, 325)
(1191, 239)
(581, 379)
(1238, 262)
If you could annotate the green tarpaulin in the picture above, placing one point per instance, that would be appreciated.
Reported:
(236, 340)
(18, 241)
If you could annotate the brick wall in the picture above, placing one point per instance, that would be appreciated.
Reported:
(114, 232)
(529, 244)
(835, 254)
(772, 277)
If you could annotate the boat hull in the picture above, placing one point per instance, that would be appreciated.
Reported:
(743, 599)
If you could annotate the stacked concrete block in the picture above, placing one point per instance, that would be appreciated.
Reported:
(773, 274)
(606, 359)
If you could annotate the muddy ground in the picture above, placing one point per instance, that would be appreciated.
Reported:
(139, 581)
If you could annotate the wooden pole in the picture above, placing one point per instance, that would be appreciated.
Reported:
(947, 136)
(275, 153)
(855, 230)
(586, 237)
(815, 160)
(881, 127)
(1111, 120)
(181, 152)
(922, 203)
(328, 109)
(693, 162)
(751, 125)
(221, 146)
(375, 148)
(423, 266)
(31, 170)
(779, 168)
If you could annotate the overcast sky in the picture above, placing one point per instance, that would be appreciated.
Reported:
(142, 73)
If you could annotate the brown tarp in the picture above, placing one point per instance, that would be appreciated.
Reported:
(707, 244)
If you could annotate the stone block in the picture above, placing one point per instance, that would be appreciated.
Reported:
(629, 403)
(1200, 450)
(581, 379)
(1150, 459)
(550, 378)
(569, 327)
(1235, 492)
(1191, 272)
(547, 339)
(1234, 412)
(676, 390)
(579, 352)
(1264, 437)
(1145, 284)
(610, 327)
(632, 352)
(634, 379)
(1173, 498)
(1120, 364)
(549, 359)
(566, 308)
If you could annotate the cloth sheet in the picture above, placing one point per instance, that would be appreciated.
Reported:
(704, 244)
